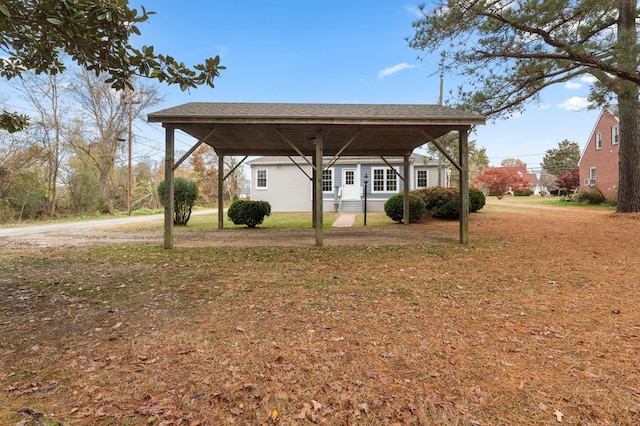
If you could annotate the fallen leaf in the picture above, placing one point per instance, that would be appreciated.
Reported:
(558, 415)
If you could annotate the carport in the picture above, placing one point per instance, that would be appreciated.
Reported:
(315, 131)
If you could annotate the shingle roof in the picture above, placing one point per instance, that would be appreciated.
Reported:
(352, 112)
(272, 128)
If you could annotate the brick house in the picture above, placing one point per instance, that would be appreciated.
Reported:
(599, 161)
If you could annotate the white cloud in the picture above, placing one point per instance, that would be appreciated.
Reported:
(574, 103)
(588, 78)
(543, 106)
(414, 11)
(394, 69)
(571, 85)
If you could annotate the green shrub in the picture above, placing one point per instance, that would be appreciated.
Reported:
(477, 200)
(441, 203)
(444, 203)
(250, 213)
(394, 208)
(185, 193)
(591, 196)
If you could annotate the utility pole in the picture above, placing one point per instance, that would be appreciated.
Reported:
(130, 176)
(129, 102)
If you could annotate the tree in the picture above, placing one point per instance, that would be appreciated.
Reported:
(44, 94)
(499, 180)
(103, 135)
(96, 36)
(477, 156)
(509, 52)
(185, 194)
(563, 159)
(569, 180)
(511, 162)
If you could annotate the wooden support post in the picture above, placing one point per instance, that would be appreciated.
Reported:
(220, 191)
(317, 194)
(406, 183)
(168, 187)
(463, 150)
(313, 191)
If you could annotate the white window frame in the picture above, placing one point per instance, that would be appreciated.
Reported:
(615, 135)
(266, 180)
(592, 176)
(389, 176)
(331, 186)
(426, 178)
(598, 140)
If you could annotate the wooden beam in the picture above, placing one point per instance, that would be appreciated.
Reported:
(295, 148)
(345, 146)
(463, 150)
(193, 148)
(220, 192)
(234, 169)
(405, 200)
(317, 193)
(168, 187)
(392, 168)
(301, 169)
(442, 150)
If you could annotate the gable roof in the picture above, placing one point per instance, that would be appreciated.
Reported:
(609, 109)
(255, 129)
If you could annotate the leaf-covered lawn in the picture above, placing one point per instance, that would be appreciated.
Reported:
(534, 322)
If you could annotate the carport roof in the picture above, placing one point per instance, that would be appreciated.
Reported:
(290, 129)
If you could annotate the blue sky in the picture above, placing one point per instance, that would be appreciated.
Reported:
(333, 51)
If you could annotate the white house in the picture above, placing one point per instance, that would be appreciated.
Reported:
(285, 182)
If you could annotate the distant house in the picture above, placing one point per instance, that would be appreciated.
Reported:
(522, 171)
(599, 161)
(285, 182)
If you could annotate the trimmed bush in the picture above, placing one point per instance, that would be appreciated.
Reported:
(444, 203)
(441, 203)
(185, 193)
(591, 196)
(394, 208)
(477, 200)
(250, 213)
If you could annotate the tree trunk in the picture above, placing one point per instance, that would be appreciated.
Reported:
(629, 156)
(629, 113)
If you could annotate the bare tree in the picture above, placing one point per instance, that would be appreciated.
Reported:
(105, 115)
(44, 93)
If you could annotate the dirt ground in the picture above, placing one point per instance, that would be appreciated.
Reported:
(534, 322)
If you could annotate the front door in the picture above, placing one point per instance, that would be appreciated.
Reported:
(350, 187)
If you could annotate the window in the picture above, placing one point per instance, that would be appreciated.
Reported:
(592, 176)
(423, 180)
(615, 137)
(327, 180)
(392, 180)
(349, 177)
(385, 180)
(261, 179)
(598, 140)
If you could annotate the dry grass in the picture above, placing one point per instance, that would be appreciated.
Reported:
(536, 320)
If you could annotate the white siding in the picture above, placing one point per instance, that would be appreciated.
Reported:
(288, 189)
